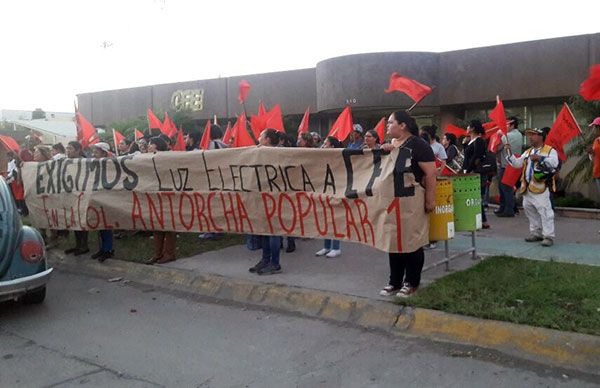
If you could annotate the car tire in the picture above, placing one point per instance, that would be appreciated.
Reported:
(35, 297)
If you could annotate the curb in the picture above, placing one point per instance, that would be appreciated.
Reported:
(580, 352)
(570, 212)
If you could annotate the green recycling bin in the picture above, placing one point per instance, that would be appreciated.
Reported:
(467, 202)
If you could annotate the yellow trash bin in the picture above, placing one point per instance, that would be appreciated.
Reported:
(441, 220)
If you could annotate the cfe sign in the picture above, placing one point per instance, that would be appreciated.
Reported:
(190, 100)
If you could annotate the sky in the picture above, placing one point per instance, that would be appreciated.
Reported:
(53, 50)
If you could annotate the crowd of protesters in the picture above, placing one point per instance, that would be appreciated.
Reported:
(430, 158)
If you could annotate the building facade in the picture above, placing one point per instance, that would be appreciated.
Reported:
(533, 79)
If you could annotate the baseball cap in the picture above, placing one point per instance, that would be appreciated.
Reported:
(595, 122)
(358, 128)
(103, 146)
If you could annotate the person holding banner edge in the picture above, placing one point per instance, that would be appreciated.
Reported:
(164, 242)
(405, 268)
(271, 245)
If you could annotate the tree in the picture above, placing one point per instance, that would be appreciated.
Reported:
(582, 171)
(37, 114)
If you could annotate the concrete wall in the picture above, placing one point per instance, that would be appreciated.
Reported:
(529, 71)
(294, 90)
(360, 80)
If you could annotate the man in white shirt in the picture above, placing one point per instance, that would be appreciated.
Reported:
(538, 163)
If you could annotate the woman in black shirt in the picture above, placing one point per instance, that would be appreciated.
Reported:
(474, 157)
(405, 268)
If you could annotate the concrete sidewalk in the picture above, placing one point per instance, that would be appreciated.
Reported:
(363, 271)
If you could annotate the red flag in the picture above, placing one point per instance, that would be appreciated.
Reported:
(456, 131)
(205, 141)
(10, 143)
(380, 129)
(511, 174)
(261, 109)
(180, 143)
(342, 126)
(86, 133)
(490, 129)
(241, 137)
(274, 119)
(303, 127)
(138, 134)
(244, 90)
(590, 88)
(227, 136)
(117, 139)
(258, 123)
(498, 116)
(495, 141)
(413, 89)
(168, 128)
(153, 121)
(563, 130)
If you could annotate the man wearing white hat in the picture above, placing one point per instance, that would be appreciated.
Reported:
(539, 163)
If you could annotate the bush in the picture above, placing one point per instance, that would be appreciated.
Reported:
(575, 200)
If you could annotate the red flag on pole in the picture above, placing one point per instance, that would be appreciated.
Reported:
(511, 174)
(227, 136)
(261, 108)
(244, 90)
(10, 143)
(274, 119)
(241, 137)
(563, 130)
(413, 89)
(86, 132)
(180, 143)
(342, 126)
(498, 116)
(303, 127)
(117, 139)
(153, 121)
(138, 135)
(590, 88)
(380, 129)
(168, 128)
(456, 131)
(259, 122)
(205, 141)
(495, 141)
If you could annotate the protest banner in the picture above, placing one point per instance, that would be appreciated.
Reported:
(364, 196)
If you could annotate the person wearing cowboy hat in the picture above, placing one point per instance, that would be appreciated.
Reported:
(539, 163)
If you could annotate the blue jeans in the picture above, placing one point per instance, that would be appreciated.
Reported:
(507, 196)
(332, 244)
(106, 240)
(270, 249)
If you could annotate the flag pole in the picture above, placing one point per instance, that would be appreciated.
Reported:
(569, 109)
(412, 106)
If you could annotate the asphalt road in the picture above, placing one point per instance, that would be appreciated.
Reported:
(91, 332)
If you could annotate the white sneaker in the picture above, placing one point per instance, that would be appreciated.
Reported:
(334, 253)
(322, 252)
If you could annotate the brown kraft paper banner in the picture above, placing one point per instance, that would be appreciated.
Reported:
(366, 196)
